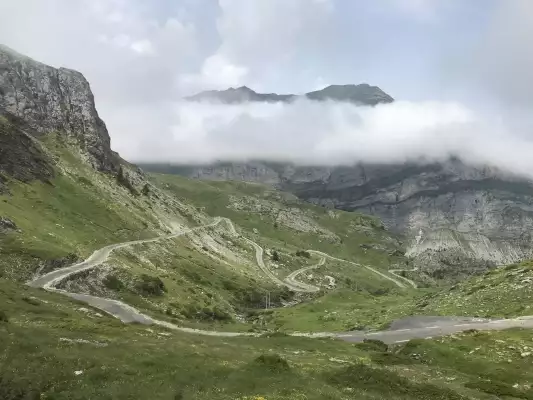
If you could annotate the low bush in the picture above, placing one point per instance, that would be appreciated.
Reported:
(303, 253)
(113, 283)
(387, 358)
(31, 301)
(150, 285)
(273, 362)
(3, 317)
(372, 345)
(499, 389)
(388, 384)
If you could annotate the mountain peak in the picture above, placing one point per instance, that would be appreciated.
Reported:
(243, 89)
(46, 99)
(361, 94)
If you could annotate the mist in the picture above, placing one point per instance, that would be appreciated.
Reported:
(141, 58)
(329, 133)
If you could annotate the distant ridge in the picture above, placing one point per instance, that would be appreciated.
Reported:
(362, 94)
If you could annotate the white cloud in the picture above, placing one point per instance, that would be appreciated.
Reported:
(503, 59)
(217, 73)
(255, 35)
(143, 57)
(423, 10)
(143, 46)
(334, 133)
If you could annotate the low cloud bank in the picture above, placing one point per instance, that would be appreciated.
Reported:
(325, 133)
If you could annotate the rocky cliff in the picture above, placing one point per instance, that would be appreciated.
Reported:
(45, 99)
(457, 219)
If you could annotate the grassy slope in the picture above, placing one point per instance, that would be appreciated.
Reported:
(352, 229)
(123, 362)
(77, 212)
(361, 299)
(138, 362)
(81, 210)
(502, 292)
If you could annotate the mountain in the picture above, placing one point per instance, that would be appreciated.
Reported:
(457, 219)
(46, 99)
(362, 94)
(65, 194)
(227, 272)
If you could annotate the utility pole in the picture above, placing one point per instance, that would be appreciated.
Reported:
(267, 301)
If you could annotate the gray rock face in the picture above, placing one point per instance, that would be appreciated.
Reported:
(49, 99)
(21, 156)
(449, 213)
(7, 225)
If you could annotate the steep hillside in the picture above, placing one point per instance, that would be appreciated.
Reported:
(457, 219)
(211, 255)
(290, 230)
(501, 293)
(61, 200)
(47, 99)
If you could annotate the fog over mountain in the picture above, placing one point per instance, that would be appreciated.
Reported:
(329, 133)
(460, 72)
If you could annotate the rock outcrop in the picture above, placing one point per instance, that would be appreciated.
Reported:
(21, 156)
(47, 99)
(7, 225)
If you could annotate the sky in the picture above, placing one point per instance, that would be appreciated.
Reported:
(459, 70)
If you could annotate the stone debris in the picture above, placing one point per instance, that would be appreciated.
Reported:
(83, 341)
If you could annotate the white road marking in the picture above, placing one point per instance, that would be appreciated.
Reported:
(402, 341)
(463, 325)
(499, 321)
(432, 327)
(402, 330)
(373, 333)
(429, 337)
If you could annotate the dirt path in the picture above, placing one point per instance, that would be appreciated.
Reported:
(395, 272)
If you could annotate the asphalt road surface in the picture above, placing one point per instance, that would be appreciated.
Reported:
(430, 327)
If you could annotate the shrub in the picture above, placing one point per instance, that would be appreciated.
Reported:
(216, 313)
(510, 266)
(303, 253)
(145, 190)
(3, 317)
(372, 345)
(84, 181)
(275, 256)
(386, 358)
(31, 301)
(113, 283)
(388, 384)
(498, 389)
(273, 362)
(379, 291)
(123, 180)
(150, 285)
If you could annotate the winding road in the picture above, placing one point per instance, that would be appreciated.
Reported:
(400, 331)
(395, 272)
(291, 278)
